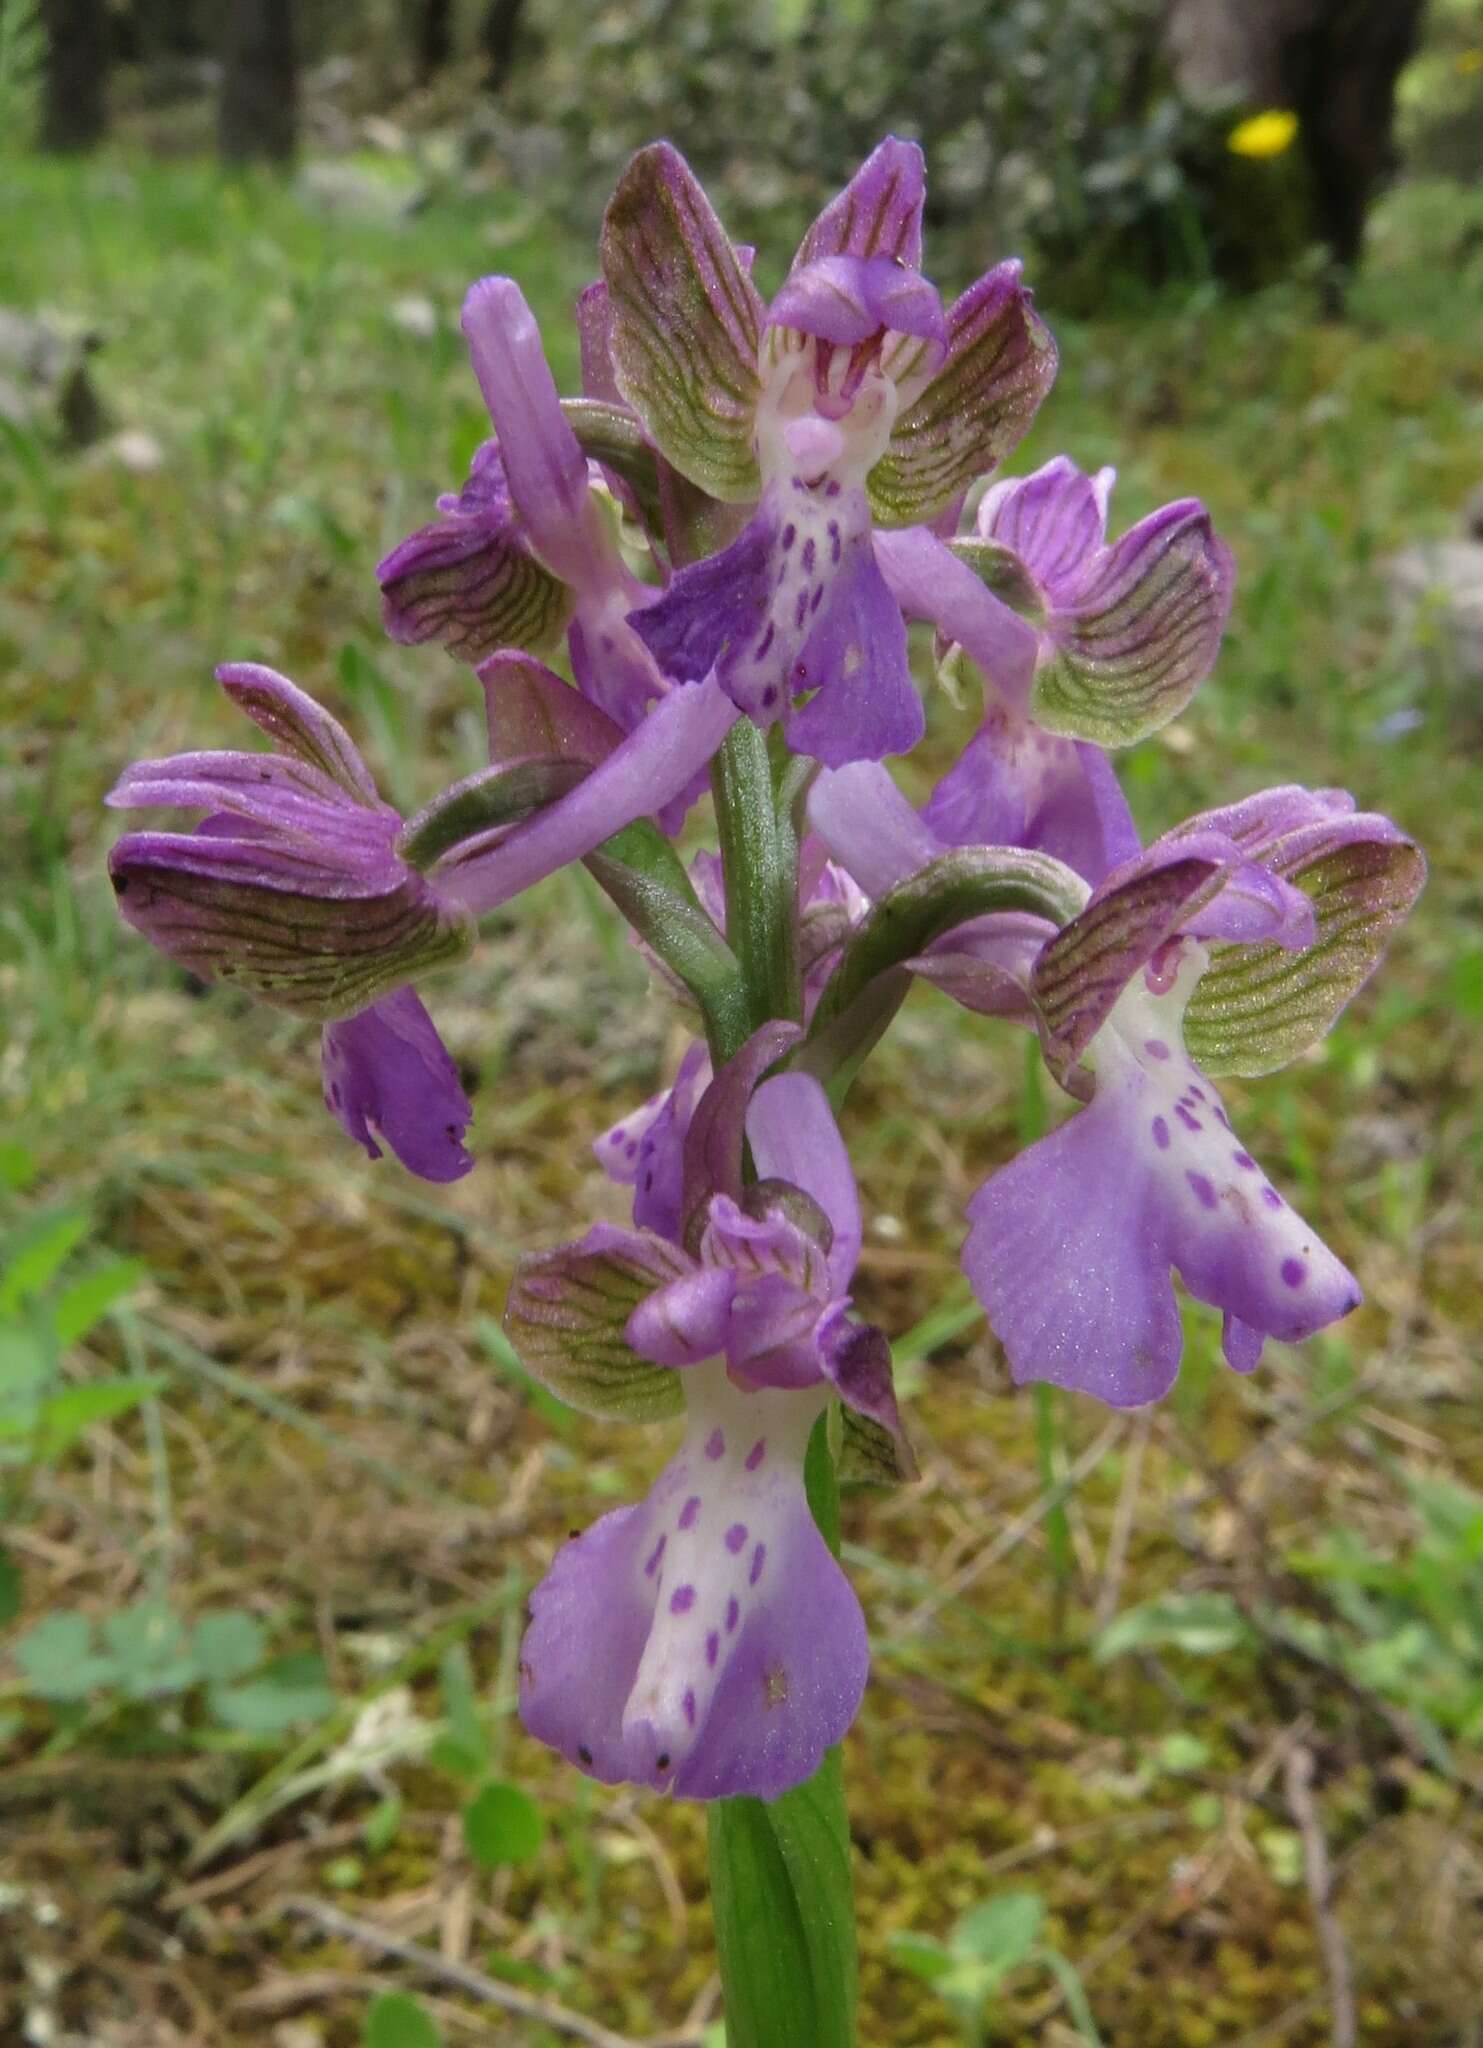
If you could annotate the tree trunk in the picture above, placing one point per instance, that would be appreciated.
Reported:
(76, 111)
(501, 27)
(434, 38)
(257, 116)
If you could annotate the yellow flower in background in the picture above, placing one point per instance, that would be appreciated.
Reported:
(1267, 134)
(1470, 61)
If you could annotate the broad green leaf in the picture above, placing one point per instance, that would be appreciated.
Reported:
(290, 1690)
(785, 1923)
(59, 1658)
(82, 1305)
(148, 1642)
(999, 1935)
(34, 1263)
(63, 1417)
(17, 1165)
(227, 1645)
(1202, 1624)
(396, 2020)
(502, 1824)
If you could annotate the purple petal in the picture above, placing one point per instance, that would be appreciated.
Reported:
(713, 1142)
(857, 1359)
(290, 715)
(1129, 643)
(322, 931)
(595, 339)
(651, 767)
(869, 827)
(646, 1151)
(686, 323)
(879, 212)
(974, 410)
(567, 1318)
(1015, 785)
(544, 465)
(794, 1138)
(1072, 1245)
(865, 704)
(928, 581)
(1054, 520)
(851, 299)
(470, 582)
(286, 795)
(687, 1321)
(386, 1070)
(530, 711)
(706, 1642)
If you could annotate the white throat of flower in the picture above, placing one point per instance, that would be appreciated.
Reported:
(816, 420)
(723, 1513)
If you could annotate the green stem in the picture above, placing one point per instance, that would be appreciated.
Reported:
(759, 864)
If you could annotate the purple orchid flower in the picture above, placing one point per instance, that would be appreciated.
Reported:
(1081, 645)
(526, 549)
(853, 399)
(706, 1642)
(1238, 938)
(292, 887)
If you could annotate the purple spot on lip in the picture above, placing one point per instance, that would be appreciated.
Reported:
(763, 644)
(1196, 1091)
(756, 1454)
(682, 1600)
(1271, 1197)
(1156, 1047)
(736, 1536)
(631, 1148)
(800, 610)
(759, 1558)
(770, 694)
(1161, 1134)
(831, 489)
(654, 1556)
(733, 1615)
(715, 1445)
(790, 534)
(690, 1512)
(1245, 1161)
(1293, 1272)
(1203, 1189)
(690, 1707)
(817, 599)
(1190, 1122)
(712, 1648)
(809, 555)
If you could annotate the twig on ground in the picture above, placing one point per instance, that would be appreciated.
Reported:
(461, 1976)
(1122, 1525)
(1298, 1783)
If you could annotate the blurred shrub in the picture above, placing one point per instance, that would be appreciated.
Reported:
(1052, 127)
(1441, 95)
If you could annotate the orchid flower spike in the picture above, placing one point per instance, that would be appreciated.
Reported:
(852, 399)
(706, 1642)
(293, 887)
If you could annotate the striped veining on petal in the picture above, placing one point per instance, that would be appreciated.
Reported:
(566, 1316)
(686, 323)
(1257, 1007)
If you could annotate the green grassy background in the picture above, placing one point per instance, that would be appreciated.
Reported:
(340, 1448)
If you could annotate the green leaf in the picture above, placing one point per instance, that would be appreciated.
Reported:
(999, 1934)
(59, 1658)
(1202, 1624)
(785, 1923)
(461, 1706)
(396, 2020)
(148, 1642)
(84, 1304)
(54, 1424)
(227, 1645)
(920, 1954)
(612, 435)
(36, 1262)
(17, 1166)
(382, 1824)
(566, 1316)
(289, 1690)
(10, 1588)
(502, 1824)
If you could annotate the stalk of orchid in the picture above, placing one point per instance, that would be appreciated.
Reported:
(726, 535)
